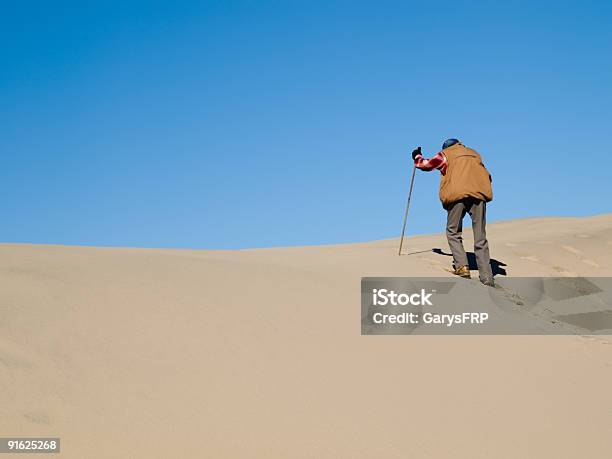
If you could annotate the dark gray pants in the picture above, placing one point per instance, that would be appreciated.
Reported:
(454, 227)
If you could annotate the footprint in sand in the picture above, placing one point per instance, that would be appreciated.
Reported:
(12, 358)
(571, 249)
(37, 418)
(591, 263)
(575, 251)
(564, 272)
(433, 263)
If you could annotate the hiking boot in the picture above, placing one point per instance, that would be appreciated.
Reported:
(462, 271)
(488, 282)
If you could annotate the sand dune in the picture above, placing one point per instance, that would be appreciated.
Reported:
(147, 353)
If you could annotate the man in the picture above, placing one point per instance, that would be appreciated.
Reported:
(465, 187)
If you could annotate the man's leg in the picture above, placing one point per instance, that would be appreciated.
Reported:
(454, 227)
(478, 213)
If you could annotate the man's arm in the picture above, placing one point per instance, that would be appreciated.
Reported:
(436, 162)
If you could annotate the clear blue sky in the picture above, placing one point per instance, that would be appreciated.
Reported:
(233, 124)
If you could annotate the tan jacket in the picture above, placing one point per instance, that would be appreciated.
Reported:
(466, 176)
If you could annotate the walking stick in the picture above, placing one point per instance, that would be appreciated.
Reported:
(407, 208)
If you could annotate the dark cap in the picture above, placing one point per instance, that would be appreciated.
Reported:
(449, 143)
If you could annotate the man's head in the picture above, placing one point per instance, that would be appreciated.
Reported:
(449, 143)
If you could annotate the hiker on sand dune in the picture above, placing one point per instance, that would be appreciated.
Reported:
(465, 187)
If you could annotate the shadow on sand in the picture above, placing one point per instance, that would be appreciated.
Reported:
(496, 266)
